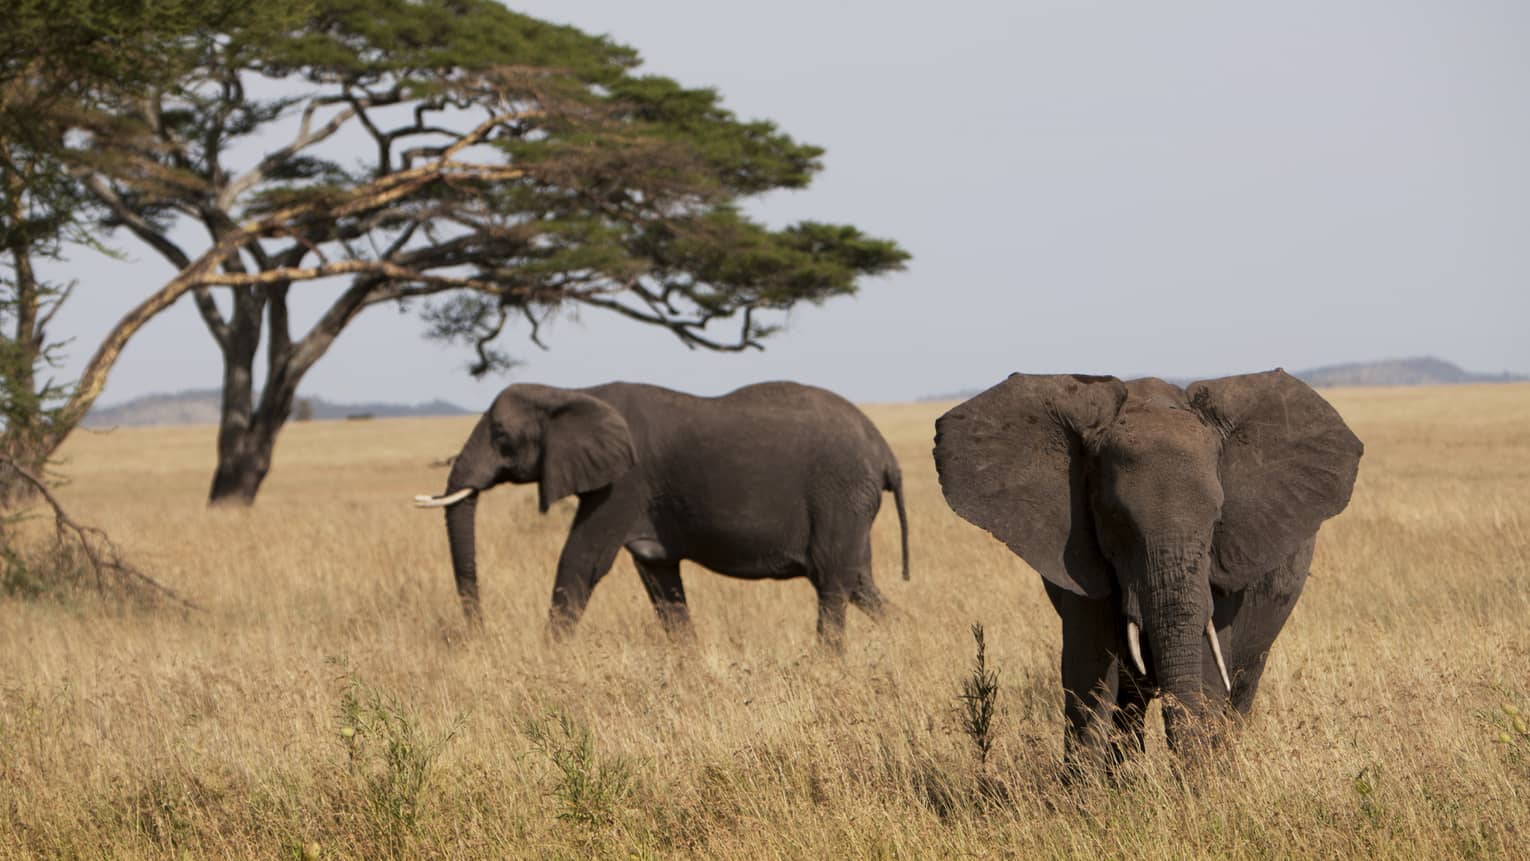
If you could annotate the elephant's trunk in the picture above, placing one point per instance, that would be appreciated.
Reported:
(475, 469)
(1176, 608)
(459, 534)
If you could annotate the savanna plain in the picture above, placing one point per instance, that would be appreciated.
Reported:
(327, 700)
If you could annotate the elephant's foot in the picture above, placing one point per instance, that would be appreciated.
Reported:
(871, 602)
(676, 621)
(561, 626)
(831, 620)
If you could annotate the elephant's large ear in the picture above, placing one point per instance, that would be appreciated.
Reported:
(586, 445)
(1012, 460)
(1288, 463)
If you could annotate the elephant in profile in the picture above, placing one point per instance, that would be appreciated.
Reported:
(1174, 529)
(774, 480)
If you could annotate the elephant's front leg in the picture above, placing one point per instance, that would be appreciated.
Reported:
(1253, 618)
(1130, 714)
(591, 547)
(1090, 677)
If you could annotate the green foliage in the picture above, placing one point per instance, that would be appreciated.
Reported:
(49, 572)
(630, 187)
(33, 403)
(748, 157)
(1509, 730)
(1371, 801)
(389, 757)
(572, 180)
(61, 61)
(735, 261)
(27, 408)
(590, 789)
(371, 41)
(77, 45)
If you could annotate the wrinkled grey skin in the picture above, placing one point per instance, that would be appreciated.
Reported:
(774, 480)
(1143, 502)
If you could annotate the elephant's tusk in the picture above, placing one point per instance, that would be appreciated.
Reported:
(1216, 652)
(426, 501)
(1134, 645)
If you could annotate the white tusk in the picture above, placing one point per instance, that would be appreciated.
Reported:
(1134, 645)
(1216, 652)
(424, 501)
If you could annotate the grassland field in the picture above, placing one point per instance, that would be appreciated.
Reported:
(328, 700)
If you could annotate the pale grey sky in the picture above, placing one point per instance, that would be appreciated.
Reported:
(1175, 188)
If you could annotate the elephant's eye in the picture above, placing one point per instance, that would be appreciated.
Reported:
(501, 440)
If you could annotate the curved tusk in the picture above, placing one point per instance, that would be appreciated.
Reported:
(424, 501)
(1216, 652)
(1134, 645)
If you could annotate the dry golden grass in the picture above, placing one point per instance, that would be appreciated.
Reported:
(136, 733)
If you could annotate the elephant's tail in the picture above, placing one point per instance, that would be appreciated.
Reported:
(894, 482)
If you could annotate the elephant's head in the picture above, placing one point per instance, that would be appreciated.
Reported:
(568, 442)
(1151, 496)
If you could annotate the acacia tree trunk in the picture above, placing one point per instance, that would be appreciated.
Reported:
(247, 432)
(244, 444)
(248, 428)
(244, 458)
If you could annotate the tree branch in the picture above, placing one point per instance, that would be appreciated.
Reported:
(211, 316)
(306, 138)
(104, 557)
(382, 268)
(93, 378)
(686, 330)
(201, 272)
(135, 222)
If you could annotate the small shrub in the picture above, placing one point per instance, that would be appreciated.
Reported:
(590, 790)
(980, 694)
(1365, 784)
(51, 572)
(390, 756)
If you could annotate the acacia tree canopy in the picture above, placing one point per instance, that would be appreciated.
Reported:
(519, 166)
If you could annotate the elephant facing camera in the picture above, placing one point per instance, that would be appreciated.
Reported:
(1173, 529)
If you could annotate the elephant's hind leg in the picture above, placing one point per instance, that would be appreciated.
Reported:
(864, 593)
(831, 614)
(662, 580)
(869, 599)
(842, 574)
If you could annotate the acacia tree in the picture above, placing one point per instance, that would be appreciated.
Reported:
(59, 60)
(519, 166)
(37, 220)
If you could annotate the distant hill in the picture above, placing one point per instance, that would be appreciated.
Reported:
(200, 406)
(1421, 371)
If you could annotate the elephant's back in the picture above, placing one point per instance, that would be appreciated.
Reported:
(781, 428)
(782, 403)
(785, 411)
(738, 480)
(788, 397)
(780, 439)
(790, 443)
